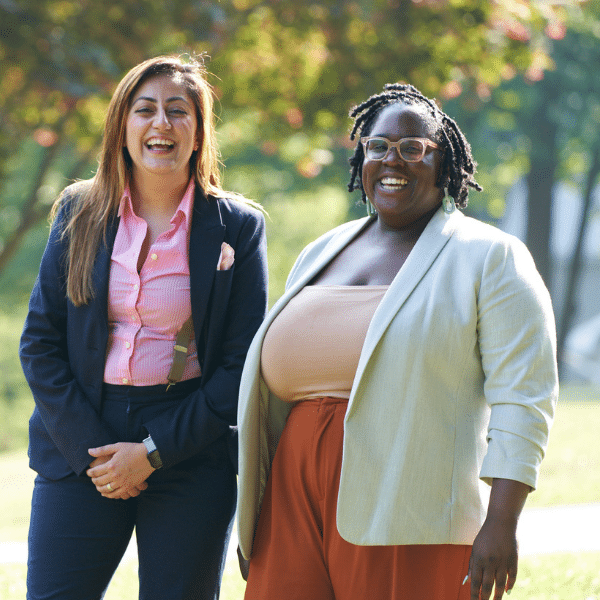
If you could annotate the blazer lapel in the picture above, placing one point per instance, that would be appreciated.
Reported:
(206, 236)
(102, 273)
(431, 242)
(331, 250)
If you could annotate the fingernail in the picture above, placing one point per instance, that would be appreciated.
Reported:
(509, 591)
(465, 580)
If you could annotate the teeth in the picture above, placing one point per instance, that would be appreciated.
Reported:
(160, 142)
(394, 181)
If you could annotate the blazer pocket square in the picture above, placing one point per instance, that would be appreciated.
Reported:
(226, 257)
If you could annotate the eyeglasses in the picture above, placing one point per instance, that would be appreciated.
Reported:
(409, 149)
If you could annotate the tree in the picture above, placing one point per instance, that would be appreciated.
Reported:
(543, 128)
(61, 60)
(291, 66)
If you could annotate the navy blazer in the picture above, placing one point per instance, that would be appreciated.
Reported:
(63, 347)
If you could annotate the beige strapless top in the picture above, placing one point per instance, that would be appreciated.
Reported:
(312, 347)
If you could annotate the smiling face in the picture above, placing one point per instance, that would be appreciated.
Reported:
(402, 192)
(161, 128)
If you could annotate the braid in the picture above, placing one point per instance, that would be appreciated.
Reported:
(458, 166)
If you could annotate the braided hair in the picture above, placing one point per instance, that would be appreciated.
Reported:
(458, 166)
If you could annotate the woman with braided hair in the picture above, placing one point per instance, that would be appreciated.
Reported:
(395, 404)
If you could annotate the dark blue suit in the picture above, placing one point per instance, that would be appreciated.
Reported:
(63, 350)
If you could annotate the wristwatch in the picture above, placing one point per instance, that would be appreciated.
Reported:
(153, 455)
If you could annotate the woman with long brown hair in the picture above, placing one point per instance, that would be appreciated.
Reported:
(151, 287)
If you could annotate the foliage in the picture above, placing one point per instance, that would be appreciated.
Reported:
(543, 129)
(16, 405)
(61, 60)
(304, 61)
(294, 67)
(506, 125)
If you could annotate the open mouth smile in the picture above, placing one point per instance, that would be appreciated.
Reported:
(160, 144)
(393, 183)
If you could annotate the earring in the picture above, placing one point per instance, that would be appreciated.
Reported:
(370, 208)
(448, 204)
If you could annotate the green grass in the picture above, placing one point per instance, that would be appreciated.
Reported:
(558, 577)
(570, 475)
(546, 577)
(16, 402)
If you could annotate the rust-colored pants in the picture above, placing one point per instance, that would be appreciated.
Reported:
(298, 553)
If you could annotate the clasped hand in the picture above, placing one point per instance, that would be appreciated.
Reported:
(119, 471)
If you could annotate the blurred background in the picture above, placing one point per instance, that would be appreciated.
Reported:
(521, 78)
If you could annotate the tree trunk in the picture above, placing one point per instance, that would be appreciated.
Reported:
(540, 181)
(32, 212)
(569, 304)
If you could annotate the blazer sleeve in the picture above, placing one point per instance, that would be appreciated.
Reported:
(517, 341)
(211, 411)
(66, 413)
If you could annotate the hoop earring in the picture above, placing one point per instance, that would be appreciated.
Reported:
(448, 204)
(370, 208)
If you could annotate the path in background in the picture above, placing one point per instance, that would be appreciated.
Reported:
(573, 528)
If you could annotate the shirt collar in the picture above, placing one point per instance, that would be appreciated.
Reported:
(184, 210)
(186, 205)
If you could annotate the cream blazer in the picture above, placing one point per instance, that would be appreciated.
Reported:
(456, 385)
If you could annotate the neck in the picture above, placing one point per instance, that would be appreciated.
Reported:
(407, 233)
(156, 194)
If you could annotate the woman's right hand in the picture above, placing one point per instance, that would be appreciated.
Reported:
(102, 477)
(121, 493)
(494, 559)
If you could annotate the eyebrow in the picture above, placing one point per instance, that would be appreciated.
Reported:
(172, 99)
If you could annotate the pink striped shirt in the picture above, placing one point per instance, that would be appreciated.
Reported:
(147, 309)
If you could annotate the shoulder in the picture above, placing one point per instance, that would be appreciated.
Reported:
(234, 211)
(496, 256)
(474, 235)
(69, 198)
(469, 229)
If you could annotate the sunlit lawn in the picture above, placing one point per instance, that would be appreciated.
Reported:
(546, 577)
(570, 475)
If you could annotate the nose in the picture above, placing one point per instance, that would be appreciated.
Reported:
(392, 156)
(161, 120)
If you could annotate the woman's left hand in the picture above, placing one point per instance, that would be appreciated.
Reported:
(494, 557)
(494, 560)
(120, 470)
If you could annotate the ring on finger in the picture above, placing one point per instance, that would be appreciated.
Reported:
(109, 487)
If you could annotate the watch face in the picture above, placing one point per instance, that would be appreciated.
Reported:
(154, 459)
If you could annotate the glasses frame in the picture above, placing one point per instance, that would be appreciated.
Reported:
(427, 143)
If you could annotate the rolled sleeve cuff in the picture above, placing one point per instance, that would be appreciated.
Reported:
(511, 456)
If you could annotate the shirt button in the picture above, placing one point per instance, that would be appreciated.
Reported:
(154, 257)
(127, 345)
(125, 381)
(136, 286)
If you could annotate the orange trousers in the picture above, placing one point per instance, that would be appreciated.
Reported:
(298, 553)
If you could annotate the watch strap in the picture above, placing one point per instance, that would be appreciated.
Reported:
(153, 455)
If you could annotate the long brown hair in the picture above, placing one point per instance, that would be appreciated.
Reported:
(95, 201)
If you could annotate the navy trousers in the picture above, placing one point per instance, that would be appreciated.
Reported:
(182, 521)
